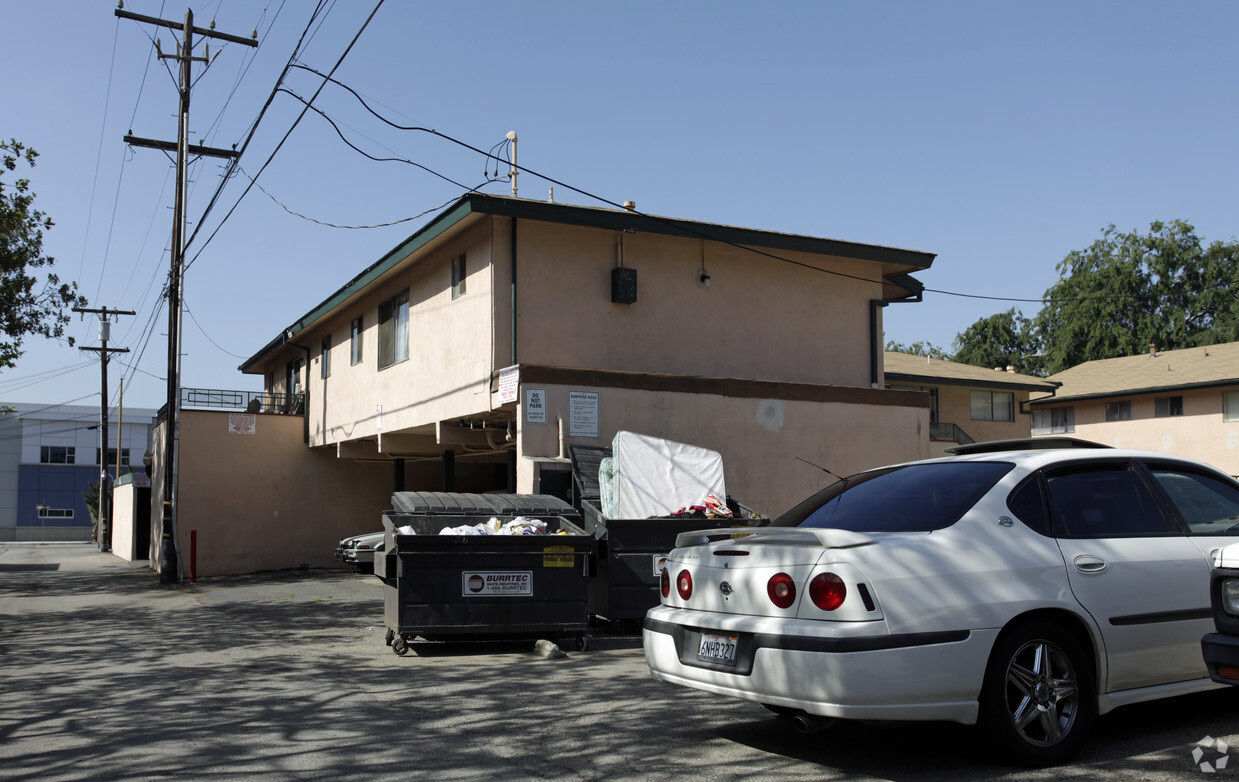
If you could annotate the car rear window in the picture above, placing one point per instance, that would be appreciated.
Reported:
(913, 498)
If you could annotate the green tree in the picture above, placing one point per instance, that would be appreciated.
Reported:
(1128, 290)
(28, 305)
(1006, 339)
(927, 349)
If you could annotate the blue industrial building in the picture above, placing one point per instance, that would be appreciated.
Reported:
(49, 455)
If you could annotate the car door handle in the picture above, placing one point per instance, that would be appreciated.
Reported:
(1087, 563)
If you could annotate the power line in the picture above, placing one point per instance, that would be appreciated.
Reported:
(279, 146)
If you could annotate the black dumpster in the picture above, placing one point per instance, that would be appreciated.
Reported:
(631, 552)
(476, 587)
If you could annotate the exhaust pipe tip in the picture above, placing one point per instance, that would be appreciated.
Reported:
(810, 723)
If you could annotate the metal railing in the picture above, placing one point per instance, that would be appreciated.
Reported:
(246, 401)
(950, 433)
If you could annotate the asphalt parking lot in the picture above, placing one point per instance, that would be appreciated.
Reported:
(104, 674)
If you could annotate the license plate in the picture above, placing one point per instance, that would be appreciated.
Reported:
(717, 648)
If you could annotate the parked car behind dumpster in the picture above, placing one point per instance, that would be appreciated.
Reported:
(359, 550)
(1221, 648)
(1025, 590)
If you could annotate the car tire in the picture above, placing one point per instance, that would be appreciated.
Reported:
(1038, 702)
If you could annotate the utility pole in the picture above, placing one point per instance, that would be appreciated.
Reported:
(169, 564)
(105, 482)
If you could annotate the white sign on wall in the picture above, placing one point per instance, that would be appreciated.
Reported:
(535, 405)
(583, 413)
(241, 423)
(509, 384)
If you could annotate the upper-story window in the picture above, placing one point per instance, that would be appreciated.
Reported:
(1230, 406)
(1166, 406)
(1118, 411)
(458, 276)
(993, 406)
(325, 359)
(57, 454)
(394, 330)
(355, 341)
(1059, 420)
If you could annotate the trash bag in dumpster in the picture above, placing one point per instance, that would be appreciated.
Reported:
(473, 587)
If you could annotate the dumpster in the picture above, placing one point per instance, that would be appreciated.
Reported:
(483, 586)
(631, 551)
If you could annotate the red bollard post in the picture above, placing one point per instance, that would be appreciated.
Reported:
(193, 556)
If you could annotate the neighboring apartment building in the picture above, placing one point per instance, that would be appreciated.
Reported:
(49, 455)
(967, 403)
(508, 329)
(1178, 401)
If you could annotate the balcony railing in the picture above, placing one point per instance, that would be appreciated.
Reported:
(949, 433)
(246, 401)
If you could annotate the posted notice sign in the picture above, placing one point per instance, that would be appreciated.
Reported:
(241, 423)
(497, 583)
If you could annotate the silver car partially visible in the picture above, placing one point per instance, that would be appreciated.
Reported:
(359, 550)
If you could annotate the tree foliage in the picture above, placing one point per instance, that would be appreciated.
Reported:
(1000, 341)
(1116, 297)
(1128, 290)
(28, 304)
(927, 349)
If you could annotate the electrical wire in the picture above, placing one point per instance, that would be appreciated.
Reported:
(679, 225)
(107, 100)
(190, 313)
(351, 227)
(279, 146)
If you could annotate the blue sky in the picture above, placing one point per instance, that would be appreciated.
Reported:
(999, 136)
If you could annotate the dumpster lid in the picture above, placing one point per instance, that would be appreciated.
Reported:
(586, 460)
(442, 503)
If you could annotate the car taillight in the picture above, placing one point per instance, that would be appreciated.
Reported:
(827, 591)
(684, 585)
(664, 583)
(782, 590)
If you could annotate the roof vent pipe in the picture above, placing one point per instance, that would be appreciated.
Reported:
(631, 206)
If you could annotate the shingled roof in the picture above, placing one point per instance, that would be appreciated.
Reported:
(1173, 370)
(907, 368)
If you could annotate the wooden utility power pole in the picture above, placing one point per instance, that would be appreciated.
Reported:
(169, 560)
(105, 479)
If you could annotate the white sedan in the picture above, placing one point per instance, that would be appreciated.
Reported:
(1024, 590)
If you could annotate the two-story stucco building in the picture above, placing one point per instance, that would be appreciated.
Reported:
(967, 403)
(474, 354)
(1177, 401)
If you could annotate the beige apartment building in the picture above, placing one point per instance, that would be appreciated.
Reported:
(967, 403)
(1178, 401)
(472, 356)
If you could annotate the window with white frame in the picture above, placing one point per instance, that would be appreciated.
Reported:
(1058, 420)
(394, 330)
(993, 406)
(55, 513)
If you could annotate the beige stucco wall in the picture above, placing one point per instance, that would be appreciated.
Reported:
(758, 318)
(1199, 433)
(955, 407)
(266, 501)
(759, 439)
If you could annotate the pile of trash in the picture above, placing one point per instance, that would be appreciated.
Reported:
(521, 525)
(709, 508)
